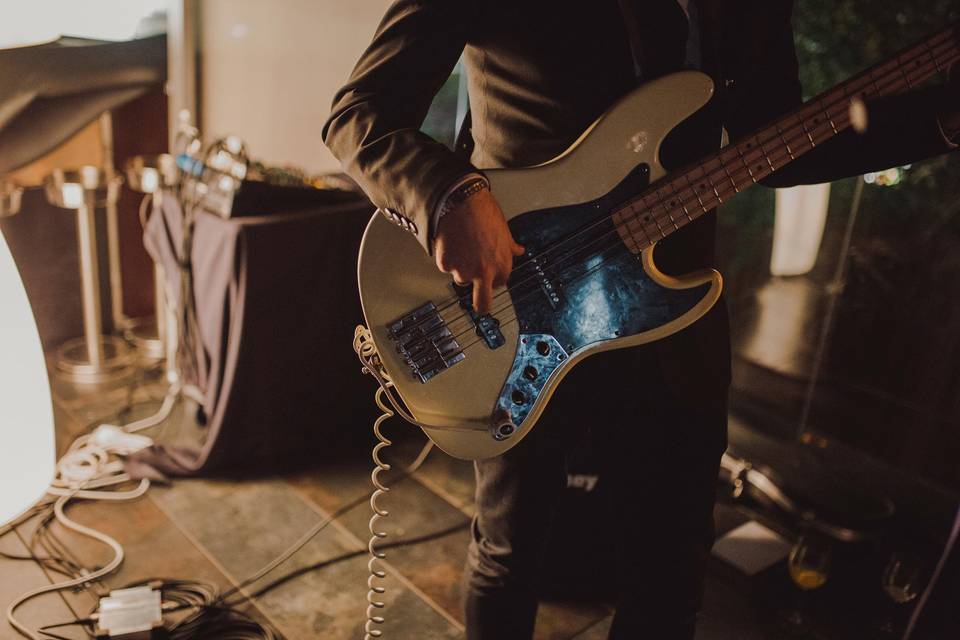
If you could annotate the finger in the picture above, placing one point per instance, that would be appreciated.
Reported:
(443, 264)
(517, 249)
(483, 294)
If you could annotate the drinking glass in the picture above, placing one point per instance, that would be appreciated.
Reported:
(900, 582)
(809, 566)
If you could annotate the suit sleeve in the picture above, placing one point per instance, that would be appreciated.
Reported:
(902, 128)
(373, 128)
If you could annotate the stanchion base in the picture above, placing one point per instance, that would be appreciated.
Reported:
(143, 335)
(117, 363)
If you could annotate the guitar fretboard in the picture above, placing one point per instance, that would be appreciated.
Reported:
(684, 196)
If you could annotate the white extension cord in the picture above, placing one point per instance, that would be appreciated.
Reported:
(85, 471)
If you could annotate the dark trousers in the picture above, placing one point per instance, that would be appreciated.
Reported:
(660, 451)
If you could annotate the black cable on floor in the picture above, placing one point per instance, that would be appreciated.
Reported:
(436, 535)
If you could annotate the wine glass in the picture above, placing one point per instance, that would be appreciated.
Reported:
(900, 582)
(809, 566)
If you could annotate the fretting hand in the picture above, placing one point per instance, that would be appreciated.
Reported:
(473, 244)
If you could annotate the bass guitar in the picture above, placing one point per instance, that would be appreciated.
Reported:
(590, 221)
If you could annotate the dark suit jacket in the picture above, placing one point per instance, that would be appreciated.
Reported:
(541, 71)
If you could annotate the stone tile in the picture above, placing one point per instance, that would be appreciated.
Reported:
(450, 478)
(246, 525)
(598, 631)
(337, 483)
(331, 603)
(563, 620)
(434, 566)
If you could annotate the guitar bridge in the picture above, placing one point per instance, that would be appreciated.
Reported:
(425, 342)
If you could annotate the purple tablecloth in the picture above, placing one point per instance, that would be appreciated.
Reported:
(276, 299)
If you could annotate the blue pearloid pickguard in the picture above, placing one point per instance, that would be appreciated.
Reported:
(538, 356)
(575, 298)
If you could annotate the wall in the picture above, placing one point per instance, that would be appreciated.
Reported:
(269, 71)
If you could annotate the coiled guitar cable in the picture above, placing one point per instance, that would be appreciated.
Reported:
(367, 352)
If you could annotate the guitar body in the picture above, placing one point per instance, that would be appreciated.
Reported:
(485, 401)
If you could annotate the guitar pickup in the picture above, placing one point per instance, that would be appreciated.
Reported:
(551, 291)
(488, 327)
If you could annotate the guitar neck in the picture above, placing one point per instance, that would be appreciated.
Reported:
(683, 196)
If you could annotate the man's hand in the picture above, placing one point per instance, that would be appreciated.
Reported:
(473, 244)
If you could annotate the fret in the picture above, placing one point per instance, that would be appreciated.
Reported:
(651, 214)
(876, 87)
(713, 186)
(763, 151)
(694, 189)
(643, 227)
(746, 165)
(636, 219)
(666, 209)
(829, 117)
(936, 62)
(784, 141)
(723, 165)
(621, 221)
(904, 74)
(803, 123)
(675, 197)
(884, 69)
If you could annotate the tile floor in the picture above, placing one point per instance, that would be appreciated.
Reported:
(221, 531)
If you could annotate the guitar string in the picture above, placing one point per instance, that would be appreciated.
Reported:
(504, 322)
(925, 49)
(567, 279)
(658, 217)
(640, 244)
(660, 207)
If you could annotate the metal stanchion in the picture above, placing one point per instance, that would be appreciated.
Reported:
(10, 195)
(149, 175)
(121, 323)
(94, 357)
